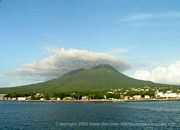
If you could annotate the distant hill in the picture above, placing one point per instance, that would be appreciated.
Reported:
(100, 78)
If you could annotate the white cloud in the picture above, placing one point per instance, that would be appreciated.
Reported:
(136, 17)
(61, 61)
(146, 16)
(161, 74)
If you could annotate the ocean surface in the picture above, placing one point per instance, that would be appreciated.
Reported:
(90, 116)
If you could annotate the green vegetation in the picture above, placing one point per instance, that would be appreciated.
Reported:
(98, 79)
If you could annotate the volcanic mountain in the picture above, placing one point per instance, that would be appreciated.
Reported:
(100, 78)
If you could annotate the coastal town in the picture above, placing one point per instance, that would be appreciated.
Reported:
(133, 94)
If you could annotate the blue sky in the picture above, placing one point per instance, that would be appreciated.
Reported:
(148, 31)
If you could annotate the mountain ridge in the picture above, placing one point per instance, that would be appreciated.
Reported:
(100, 78)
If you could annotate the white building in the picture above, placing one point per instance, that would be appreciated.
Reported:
(147, 97)
(137, 97)
(42, 99)
(58, 99)
(53, 98)
(130, 98)
(147, 90)
(28, 98)
(159, 94)
(110, 92)
(178, 96)
(68, 98)
(85, 98)
(126, 98)
(21, 98)
(105, 97)
(168, 94)
(13, 98)
(2, 96)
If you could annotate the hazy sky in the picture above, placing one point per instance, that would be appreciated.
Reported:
(136, 31)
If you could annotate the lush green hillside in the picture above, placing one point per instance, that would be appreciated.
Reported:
(100, 78)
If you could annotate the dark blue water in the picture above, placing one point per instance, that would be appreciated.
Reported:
(97, 116)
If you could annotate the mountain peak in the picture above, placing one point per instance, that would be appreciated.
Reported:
(104, 66)
(99, 78)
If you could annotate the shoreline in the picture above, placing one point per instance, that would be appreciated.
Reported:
(79, 101)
